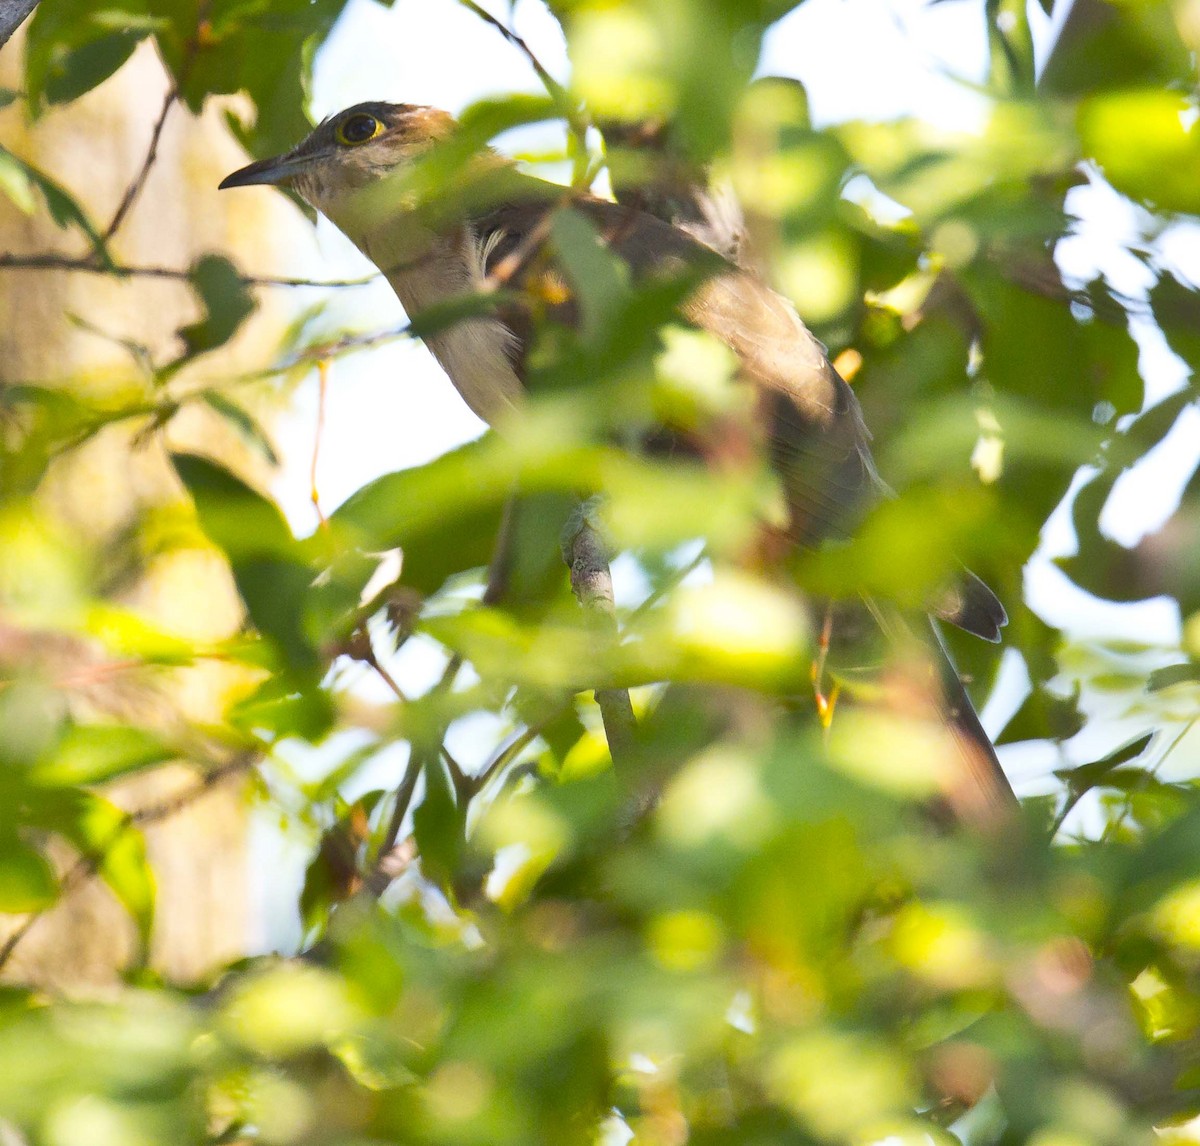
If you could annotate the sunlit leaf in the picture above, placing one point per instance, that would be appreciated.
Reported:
(27, 879)
(272, 573)
(107, 840)
(93, 753)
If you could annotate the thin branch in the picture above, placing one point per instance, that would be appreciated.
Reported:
(572, 110)
(404, 795)
(464, 787)
(139, 180)
(56, 262)
(669, 585)
(384, 675)
(462, 782)
(326, 350)
(507, 755)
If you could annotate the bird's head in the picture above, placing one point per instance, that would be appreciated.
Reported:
(350, 151)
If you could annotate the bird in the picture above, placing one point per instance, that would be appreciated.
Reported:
(491, 222)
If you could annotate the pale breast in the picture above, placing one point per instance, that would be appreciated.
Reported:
(474, 352)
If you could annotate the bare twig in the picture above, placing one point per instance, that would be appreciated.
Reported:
(399, 810)
(462, 782)
(507, 755)
(55, 262)
(139, 180)
(572, 110)
(384, 675)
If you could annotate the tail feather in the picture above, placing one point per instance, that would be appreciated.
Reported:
(982, 795)
(970, 605)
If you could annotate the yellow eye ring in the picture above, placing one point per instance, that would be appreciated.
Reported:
(356, 129)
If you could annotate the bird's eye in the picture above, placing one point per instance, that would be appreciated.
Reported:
(358, 129)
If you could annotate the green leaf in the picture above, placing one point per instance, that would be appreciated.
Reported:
(63, 208)
(16, 184)
(237, 519)
(598, 277)
(269, 566)
(1147, 144)
(1187, 673)
(226, 302)
(70, 48)
(400, 509)
(264, 50)
(286, 704)
(241, 421)
(93, 753)
(1044, 715)
(106, 837)
(438, 823)
(1098, 773)
(27, 880)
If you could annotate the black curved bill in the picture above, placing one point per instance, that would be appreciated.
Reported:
(264, 171)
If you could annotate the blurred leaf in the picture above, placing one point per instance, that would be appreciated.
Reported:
(227, 304)
(1087, 776)
(262, 49)
(284, 706)
(394, 511)
(1044, 715)
(242, 421)
(1103, 46)
(1012, 66)
(27, 880)
(1188, 673)
(597, 275)
(882, 559)
(71, 47)
(287, 1009)
(439, 823)
(1162, 563)
(269, 566)
(107, 839)
(334, 874)
(1146, 142)
(1176, 306)
(63, 208)
(94, 753)
(16, 184)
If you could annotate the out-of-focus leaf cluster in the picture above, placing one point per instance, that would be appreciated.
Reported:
(752, 930)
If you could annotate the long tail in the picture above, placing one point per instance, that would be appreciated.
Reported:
(982, 796)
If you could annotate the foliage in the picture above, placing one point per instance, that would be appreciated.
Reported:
(750, 929)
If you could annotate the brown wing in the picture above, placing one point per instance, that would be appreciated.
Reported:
(819, 444)
(812, 422)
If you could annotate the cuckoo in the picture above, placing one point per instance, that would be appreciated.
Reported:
(492, 223)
